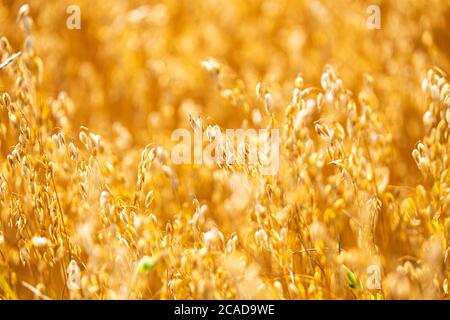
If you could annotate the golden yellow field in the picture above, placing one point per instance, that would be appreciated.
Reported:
(92, 205)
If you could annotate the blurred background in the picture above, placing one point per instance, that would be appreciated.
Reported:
(137, 63)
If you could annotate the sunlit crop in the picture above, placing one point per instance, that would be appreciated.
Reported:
(92, 205)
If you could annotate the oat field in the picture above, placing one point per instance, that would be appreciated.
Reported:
(93, 205)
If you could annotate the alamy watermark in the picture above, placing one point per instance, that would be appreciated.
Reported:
(73, 276)
(373, 277)
(242, 147)
(73, 21)
(374, 19)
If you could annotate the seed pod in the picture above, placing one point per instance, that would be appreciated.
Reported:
(428, 119)
(149, 199)
(6, 99)
(299, 82)
(268, 101)
(325, 81)
(84, 139)
(435, 92)
(4, 45)
(73, 151)
(259, 90)
(24, 11)
(55, 141)
(261, 236)
(213, 239)
(425, 86)
(212, 67)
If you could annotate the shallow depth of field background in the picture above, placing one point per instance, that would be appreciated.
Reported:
(132, 74)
